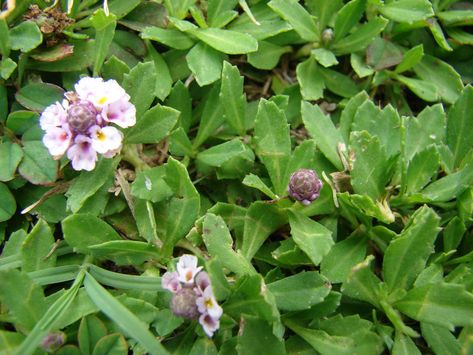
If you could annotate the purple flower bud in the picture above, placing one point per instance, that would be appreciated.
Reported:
(304, 186)
(81, 116)
(184, 304)
(53, 341)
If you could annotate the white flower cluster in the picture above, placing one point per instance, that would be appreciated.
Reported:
(80, 124)
(193, 295)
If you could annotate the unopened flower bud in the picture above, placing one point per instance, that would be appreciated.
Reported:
(327, 35)
(304, 186)
(53, 341)
(184, 304)
(81, 116)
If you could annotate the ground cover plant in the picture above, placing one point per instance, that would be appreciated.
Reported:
(236, 177)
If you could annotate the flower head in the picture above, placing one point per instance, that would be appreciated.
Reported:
(207, 304)
(183, 304)
(187, 269)
(209, 324)
(80, 124)
(304, 186)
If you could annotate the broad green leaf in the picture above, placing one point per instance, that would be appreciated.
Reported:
(444, 304)
(256, 336)
(233, 98)
(205, 63)
(25, 37)
(180, 144)
(111, 344)
(220, 12)
(300, 291)
(122, 316)
(150, 185)
(372, 169)
(17, 286)
(255, 181)
(166, 322)
(9, 341)
(407, 255)
(425, 90)
(261, 220)
(343, 256)
(459, 129)
(423, 166)
(310, 79)
(382, 54)
(21, 121)
(411, 58)
(267, 56)
(362, 284)
(204, 346)
(91, 329)
(226, 41)
(437, 72)
(88, 183)
(154, 126)
(83, 230)
(349, 112)
(440, 339)
(219, 244)
(7, 67)
(348, 17)
(358, 63)
(407, 10)
(361, 37)
(7, 203)
(273, 145)
(145, 219)
(219, 154)
(115, 68)
(298, 17)
(322, 129)
(169, 37)
(37, 166)
(324, 57)
(104, 30)
(403, 345)
(140, 84)
(312, 237)
(339, 83)
(36, 248)
(37, 96)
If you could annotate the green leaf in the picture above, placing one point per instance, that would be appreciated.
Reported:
(155, 125)
(440, 339)
(125, 252)
(453, 233)
(382, 54)
(36, 248)
(371, 169)
(348, 17)
(150, 185)
(7, 67)
(442, 75)
(403, 345)
(37, 96)
(313, 238)
(104, 31)
(323, 10)
(5, 42)
(221, 153)
(310, 79)
(423, 166)
(456, 17)
(273, 145)
(324, 57)
(86, 185)
(226, 41)
(37, 166)
(180, 144)
(7, 203)
(322, 129)
(298, 17)
(260, 221)
(180, 100)
(300, 291)
(219, 244)
(204, 346)
(16, 286)
(255, 181)
(267, 56)
(411, 58)
(83, 230)
(25, 37)
(163, 76)
(459, 129)
(438, 34)
(407, 255)
(169, 37)
(205, 63)
(21, 121)
(111, 344)
(407, 10)
(140, 85)
(348, 114)
(122, 316)
(343, 256)
(256, 336)
(126, 282)
(444, 304)
(91, 329)
(359, 65)
(233, 98)
(220, 12)
(361, 37)
(425, 90)
(339, 83)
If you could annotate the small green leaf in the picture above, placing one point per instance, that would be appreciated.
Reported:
(298, 17)
(140, 84)
(403, 345)
(453, 233)
(169, 37)
(37, 166)
(212, 116)
(310, 79)
(10, 156)
(256, 336)
(149, 185)
(438, 34)
(91, 329)
(423, 166)
(233, 98)
(324, 57)
(226, 41)
(456, 17)
(255, 181)
(7, 67)
(37, 96)
(407, 255)
(104, 31)
(53, 54)
(25, 37)
(411, 58)
(267, 56)
(220, 12)
(339, 83)
(219, 154)
(155, 125)
(205, 63)
(7, 203)
(440, 339)
(5, 42)
(204, 346)
(163, 76)
(348, 17)
(111, 344)
(36, 248)
(348, 114)
(407, 10)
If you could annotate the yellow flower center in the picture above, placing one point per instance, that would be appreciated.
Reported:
(102, 100)
(101, 136)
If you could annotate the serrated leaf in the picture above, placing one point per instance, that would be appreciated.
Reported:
(233, 98)
(407, 10)
(226, 41)
(273, 145)
(140, 84)
(348, 114)
(407, 255)
(154, 126)
(205, 63)
(310, 79)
